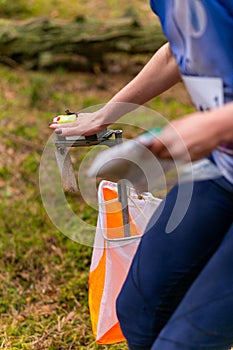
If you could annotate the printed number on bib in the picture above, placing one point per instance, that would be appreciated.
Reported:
(206, 93)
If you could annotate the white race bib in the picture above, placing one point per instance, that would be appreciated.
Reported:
(206, 93)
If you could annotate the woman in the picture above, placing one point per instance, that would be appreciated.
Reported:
(179, 290)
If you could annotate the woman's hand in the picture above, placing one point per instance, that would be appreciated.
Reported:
(86, 124)
(189, 138)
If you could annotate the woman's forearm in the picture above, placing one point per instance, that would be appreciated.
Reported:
(222, 120)
(158, 75)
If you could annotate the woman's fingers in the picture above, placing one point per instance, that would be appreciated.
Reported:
(63, 125)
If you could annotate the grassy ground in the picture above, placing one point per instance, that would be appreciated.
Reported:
(44, 274)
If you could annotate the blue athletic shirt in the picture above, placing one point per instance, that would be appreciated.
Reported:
(200, 33)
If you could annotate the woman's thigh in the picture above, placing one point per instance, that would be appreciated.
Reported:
(204, 318)
(165, 265)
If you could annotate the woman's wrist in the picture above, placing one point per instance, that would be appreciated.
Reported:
(113, 110)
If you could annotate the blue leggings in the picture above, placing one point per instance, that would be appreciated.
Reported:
(179, 290)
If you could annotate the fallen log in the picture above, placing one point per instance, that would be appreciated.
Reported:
(43, 43)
